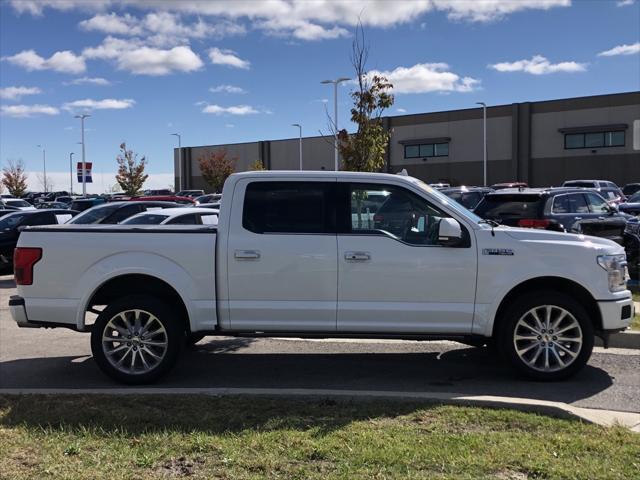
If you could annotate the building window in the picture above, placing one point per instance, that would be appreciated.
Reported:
(594, 140)
(425, 150)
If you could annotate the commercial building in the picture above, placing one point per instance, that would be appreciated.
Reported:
(541, 143)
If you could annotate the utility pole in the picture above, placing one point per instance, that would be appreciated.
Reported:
(335, 115)
(484, 141)
(71, 173)
(44, 167)
(299, 141)
(179, 160)
(84, 166)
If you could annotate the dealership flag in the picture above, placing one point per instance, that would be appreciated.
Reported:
(87, 172)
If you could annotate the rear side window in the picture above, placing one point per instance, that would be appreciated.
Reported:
(510, 206)
(289, 207)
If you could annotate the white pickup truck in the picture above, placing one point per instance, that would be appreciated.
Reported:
(324, 254)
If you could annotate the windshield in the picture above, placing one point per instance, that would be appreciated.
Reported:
(17, 203)
(579, 184)
(146, 219)
(10, 221)
(446, 201)
(95, 214)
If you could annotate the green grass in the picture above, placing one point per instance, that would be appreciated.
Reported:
(245, 438)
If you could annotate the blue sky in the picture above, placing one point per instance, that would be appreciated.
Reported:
(233, 71)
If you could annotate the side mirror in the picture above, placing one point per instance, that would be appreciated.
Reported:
(449, 232)
(613, 208)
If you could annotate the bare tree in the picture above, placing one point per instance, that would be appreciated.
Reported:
(45, 183)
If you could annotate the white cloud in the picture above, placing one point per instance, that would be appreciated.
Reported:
(133, 56)
(539, 65)
(227, 57)
(624, 3)
(229, 125)
(401, 110)
(491, 10)
(113, 23)
(89, 80)
(426, 78)
(16, 93)
(25, 111)
(232, 110)
(621, 50)
(64, 61)
(227, 89)
(105, 104)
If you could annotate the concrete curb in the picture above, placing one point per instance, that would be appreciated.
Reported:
(628, 339)
(606, 418)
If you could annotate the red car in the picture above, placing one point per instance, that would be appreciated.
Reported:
(165, 198)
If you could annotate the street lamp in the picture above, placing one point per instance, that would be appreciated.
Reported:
(84, 166)
(484, 140)
(179, 160)
(299, 140)
(71, 173)
(335, 114)
(44, 167)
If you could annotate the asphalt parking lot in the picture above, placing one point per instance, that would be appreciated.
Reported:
(61, 359)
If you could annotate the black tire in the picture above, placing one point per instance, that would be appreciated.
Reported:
(506, 331)
(171, 336)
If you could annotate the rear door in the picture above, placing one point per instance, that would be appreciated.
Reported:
(393, 275)
(282, 256)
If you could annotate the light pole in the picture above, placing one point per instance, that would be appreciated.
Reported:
(71, 173)
(299, 140)
(44, 167)
(335, 114)
(484, 141)
(179, 160)
(84, 166)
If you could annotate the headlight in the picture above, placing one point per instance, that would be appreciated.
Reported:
(616, 268)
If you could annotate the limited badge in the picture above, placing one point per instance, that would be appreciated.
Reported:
(497, 251)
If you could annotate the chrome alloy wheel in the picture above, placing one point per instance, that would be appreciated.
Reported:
(547, 338)
(134, 341)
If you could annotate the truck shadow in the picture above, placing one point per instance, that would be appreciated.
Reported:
(224, 364)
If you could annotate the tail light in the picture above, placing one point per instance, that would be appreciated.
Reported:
(23, 261)
(533, 223)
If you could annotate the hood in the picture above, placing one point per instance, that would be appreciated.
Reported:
(599, 244)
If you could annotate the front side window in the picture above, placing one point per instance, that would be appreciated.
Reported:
(401, 213)
(146, 219)
(597, 204)
(289, 207)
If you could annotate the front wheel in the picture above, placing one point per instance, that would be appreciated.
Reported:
(136, 339)
(546, 335)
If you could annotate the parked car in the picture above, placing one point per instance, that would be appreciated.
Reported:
(31, 197)
(51, 196)
(17, 203)
(190, 193)
(6, 195)
(632, 205)
(560, 209)
(116, 212)
(208, 198)
(468, 197)
(82, 204)
(630, 188)
(13, 223)
(4, 210)
(65, 199)
(502, 186)
(45, 205)
(165, 198)
(215, 205)
(287, 258)
(609, 190)
(159, 192)
(175, 216)
(440, 185)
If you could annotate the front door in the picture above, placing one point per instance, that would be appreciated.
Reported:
(393, 275)
(282, 257)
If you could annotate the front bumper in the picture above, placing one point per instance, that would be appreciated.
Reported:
(616, 314)
(19, 312)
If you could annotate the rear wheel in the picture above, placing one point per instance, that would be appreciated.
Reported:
(136, 339)
(546, 335)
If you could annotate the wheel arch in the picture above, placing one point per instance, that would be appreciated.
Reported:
(550, 283)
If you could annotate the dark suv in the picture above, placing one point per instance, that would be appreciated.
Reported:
(573, 210)
(609, 190)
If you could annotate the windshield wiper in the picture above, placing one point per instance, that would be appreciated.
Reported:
(493, 224)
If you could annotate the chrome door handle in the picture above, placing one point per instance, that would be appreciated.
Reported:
(357, 256)
(247, 255)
